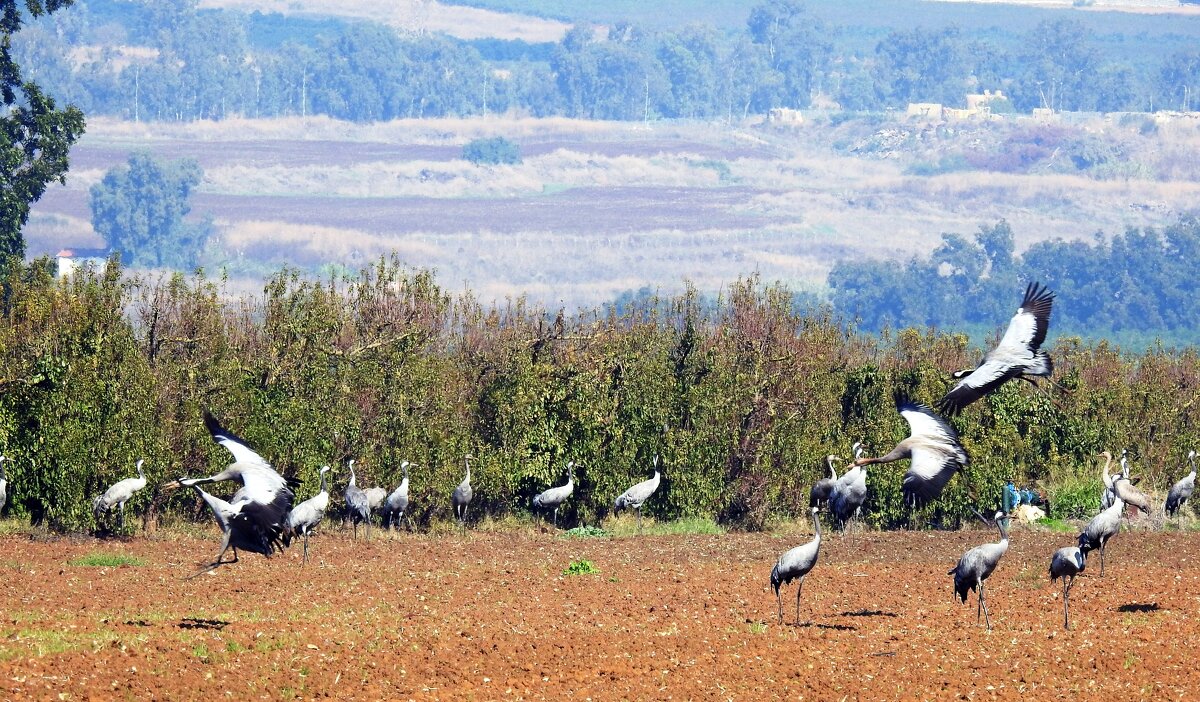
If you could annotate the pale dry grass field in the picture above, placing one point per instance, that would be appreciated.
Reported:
(596, 208)
(413, 16)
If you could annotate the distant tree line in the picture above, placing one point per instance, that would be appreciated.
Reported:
(1139, 284)
(214, 64)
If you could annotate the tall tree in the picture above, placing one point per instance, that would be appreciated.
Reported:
(139, 210)
(795, 48)
(35, 135)
(921, 66)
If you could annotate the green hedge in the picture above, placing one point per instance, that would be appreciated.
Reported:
(741, 400)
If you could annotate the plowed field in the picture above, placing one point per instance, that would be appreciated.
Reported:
(491, 616)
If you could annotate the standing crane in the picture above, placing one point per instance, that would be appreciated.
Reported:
(820, 491)
(795, 565)
(3, 485)
(849, 492)
(1018, 355)
(253, 520)
(555, 496)
(1124, 490)
(305, 516)
(396, 505)
(977, 565)
(461, 498)
(118, 494)
(636, 496)
(1106, 497)
(1176, 497)
(1066, 563)
(1101, 528)
(357, 505)
(934, 449)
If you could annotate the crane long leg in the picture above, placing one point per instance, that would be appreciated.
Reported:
(1102, 558)
(779, 600)
(639, 520)
(799, 588)
(978, 604)
(121, 515)
(305, 561)
(983, 603)
(1066, 594)
(555, 517)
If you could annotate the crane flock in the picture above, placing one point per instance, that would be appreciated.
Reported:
(260, 516)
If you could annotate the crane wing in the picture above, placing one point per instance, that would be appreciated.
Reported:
(924, 423)
(258, 526)
(927, 476)
(233, 443)
(1027, 329)
(990, 375)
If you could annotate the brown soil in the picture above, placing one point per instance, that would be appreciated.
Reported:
(490, 616)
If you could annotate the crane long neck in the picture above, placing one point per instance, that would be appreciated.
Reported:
(1003, 530)
(467, 462)
(324, 487)
(816, 527)
(832, 472)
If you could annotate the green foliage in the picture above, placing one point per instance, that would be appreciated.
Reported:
(139, 210)
(585, 532)
(35, 135)
(107, 560)
(741, 397)
(581, 567)
(492, 152)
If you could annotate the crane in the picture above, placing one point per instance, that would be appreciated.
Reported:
(1101, 528)
(795, 564)
(933, 447)
(977, 565)
(3, 485)
(1066, 563)
(820, 491)
(461, 498)
(357, 505)
(305, 516)
(1176, 497)
(849, 492)
(636, 496)
(1018, 355)
(555, 496)
(396, 505)
(253, 520)
(118, 494)
(375, 497)
(1106, 497)
(1124, 490)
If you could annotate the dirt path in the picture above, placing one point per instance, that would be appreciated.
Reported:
(492, 617)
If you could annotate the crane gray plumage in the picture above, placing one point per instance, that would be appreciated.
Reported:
(977, 565)
(1176, 497)
(357, 505)
(396, 505)
(1125, 491)
(375, 497)
(305, 516)
(932, 446)
(555, 496)
(1066, 563)
(636, 496)
(1107, 495)
(3, 485)
(461, 498)
(254, 518)
(1018, 355)
(1101, 528)
(795, 565)
(118, 494)
(848, 494)
(821, 490)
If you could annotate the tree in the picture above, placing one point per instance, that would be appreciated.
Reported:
(921, 66)
(494, 151)
(139, 210)
(795, 48)
(35, 136)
